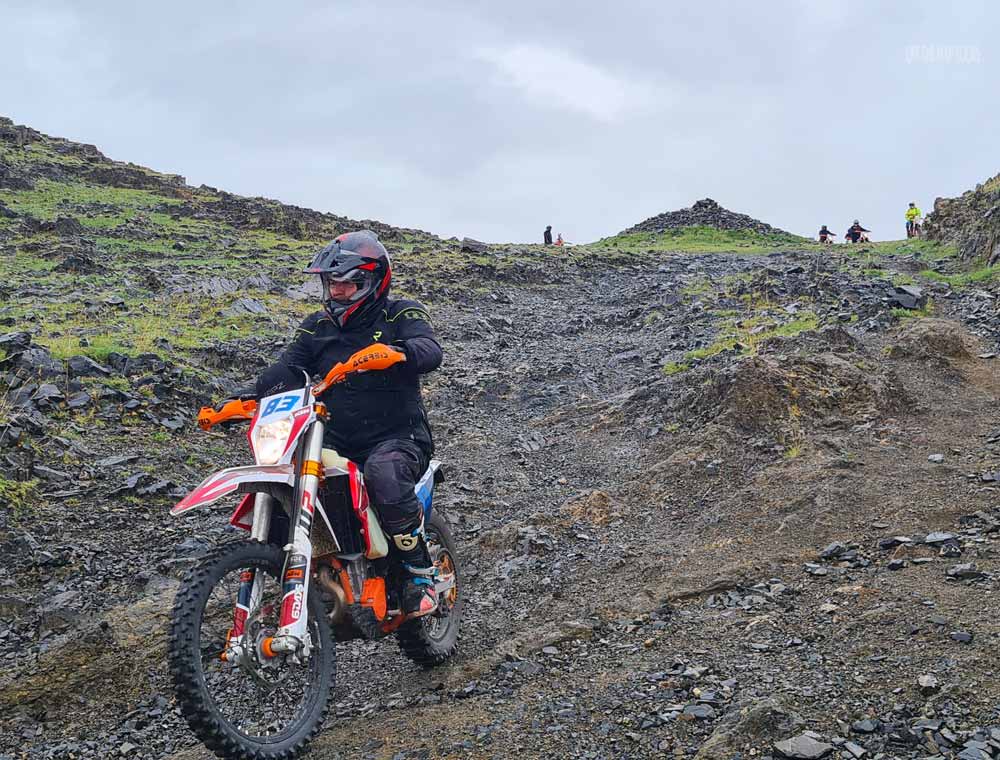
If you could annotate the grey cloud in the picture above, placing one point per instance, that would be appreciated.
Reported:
(800, 114)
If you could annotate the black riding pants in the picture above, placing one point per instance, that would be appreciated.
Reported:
(391, 471)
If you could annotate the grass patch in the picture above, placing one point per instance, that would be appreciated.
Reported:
(675, 368)
(745, 337)
(18, 495)
(927, 311)
(964, 279)
(51, 199)
(793, 452)
(925, 250)
(705, 240)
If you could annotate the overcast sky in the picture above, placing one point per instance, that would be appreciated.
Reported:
(493, 119)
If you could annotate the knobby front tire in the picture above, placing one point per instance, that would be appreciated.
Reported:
(209, 691)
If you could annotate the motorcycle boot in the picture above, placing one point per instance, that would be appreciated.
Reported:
(419, 595)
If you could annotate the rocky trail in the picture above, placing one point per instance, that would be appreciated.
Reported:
(711, 505)
(656, 564)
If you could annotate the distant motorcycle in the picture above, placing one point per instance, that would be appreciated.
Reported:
(251, 645)
(912, 229)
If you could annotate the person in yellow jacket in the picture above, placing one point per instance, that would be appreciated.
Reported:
(913, 215)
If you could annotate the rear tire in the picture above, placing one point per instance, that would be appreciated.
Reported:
(432, 639)
(206, 690)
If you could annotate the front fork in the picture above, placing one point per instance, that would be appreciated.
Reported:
(250, 589)
(292, 634)
(294, 618)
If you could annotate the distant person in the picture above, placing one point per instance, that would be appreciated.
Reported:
(856, 233)
(913, 215)
(547, 237)
(825, 236)
(559, 240)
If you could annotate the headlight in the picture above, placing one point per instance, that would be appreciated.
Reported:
(270, 440)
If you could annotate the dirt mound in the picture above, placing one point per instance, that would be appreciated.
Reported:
(933, 339)
(704, 213)
(778, 393)
(595, 507)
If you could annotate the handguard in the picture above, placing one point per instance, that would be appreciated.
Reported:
(377, 356)
(236, 409)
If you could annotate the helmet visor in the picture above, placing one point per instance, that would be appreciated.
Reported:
(349, 287)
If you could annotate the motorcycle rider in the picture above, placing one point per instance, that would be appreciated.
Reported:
(856, 233)
(825, 236)
(377, 419)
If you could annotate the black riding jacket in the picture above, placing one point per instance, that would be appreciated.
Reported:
(371, 407)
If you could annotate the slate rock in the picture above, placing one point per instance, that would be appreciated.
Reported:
(67, 226)
(699, 712)
(243, 306)
(77, 262)
(79, 400)
(803, 747)
(833, 550)
(473, 246)
(856, 750)
(47, 395)
(48, 473)
(146, 362)
(939, 537)
(928, 684)
(908, 297)
(15, 342)
(38, 362)
(964, 572)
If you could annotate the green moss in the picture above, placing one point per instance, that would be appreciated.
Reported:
(18, 495)
(675, 368)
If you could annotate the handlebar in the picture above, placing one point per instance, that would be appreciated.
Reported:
(377, 356)
(236, 409)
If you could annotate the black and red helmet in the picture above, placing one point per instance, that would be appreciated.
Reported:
(358, 258)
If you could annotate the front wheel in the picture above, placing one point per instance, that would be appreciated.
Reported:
(249, 707)
(432, 639)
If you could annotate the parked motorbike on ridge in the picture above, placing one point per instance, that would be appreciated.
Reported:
(251, 645)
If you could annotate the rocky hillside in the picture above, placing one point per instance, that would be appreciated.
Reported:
(971, 222)
(710, 504)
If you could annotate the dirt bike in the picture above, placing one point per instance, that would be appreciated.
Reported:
(912, 229)
(251, 644)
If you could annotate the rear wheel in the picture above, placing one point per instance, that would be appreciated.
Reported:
(432, 639)
(252, 707)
